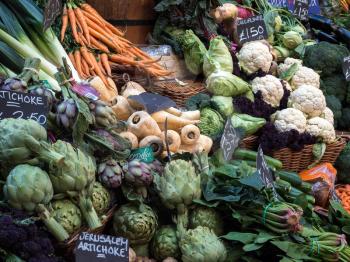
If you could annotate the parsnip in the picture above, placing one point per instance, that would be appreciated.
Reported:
(106, 94)
(121, 108)
(174, 122)
(132, 89)
(132, 139)
(174, 111)
(142, 124)
(191, 115)
(155, 142)
(189, 134)
(173, 139)
(204, 144)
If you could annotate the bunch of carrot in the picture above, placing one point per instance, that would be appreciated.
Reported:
(343, 192)
(102, 45)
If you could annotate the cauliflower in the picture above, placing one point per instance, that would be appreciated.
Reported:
(305, 76)
(271, 89)
(254, 56)
(286, 85)
(328, 115)
(288, 119)
(321, 128)
(308, 99)
(288, 62)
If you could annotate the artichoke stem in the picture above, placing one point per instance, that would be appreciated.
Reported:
(89, 213)
(55, 229)
(141, 250)
(50, 156)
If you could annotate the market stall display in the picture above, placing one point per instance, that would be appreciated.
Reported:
(246, 160)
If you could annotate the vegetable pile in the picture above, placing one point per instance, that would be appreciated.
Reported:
(120, 160)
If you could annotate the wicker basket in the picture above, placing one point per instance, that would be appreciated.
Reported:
(68, 246)
(298, 161)
(250, 142)
(177, 92)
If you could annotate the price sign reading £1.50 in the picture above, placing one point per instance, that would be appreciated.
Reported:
(23, 105)
(251, 29)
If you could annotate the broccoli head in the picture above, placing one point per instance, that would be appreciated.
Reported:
(197, 101)
(335, 85)
(343, 165)
(334, 104)
(325, 57)
(344, 122)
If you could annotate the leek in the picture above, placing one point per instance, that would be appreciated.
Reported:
(26, 52)
(31, 15)
(7, 72)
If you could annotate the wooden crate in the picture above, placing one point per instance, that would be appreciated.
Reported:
(135, 17)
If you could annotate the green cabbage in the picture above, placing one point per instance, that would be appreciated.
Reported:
(194, 52)
(211, 123)
(217, 58)
(223, 83)
(248, 123)
(223, 104)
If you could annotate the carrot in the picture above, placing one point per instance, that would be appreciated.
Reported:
(103, 38)
(98, 45)
(97, 70)
(100, 65)
(71, 57)
(85, 67)
(95, 27)
(105, 63)
(81, 18)
(77, 58)
(114, 29)
(123, 60)
(73, 24)
(64, 23)
(88, 8)
(94, 19)
(83, 40)
(85, 53)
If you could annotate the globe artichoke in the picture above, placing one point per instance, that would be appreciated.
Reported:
(23, 140)
(137, 223)
(157, 167)
(101, 198)
(29, 188)
(165, 243)
(201, 245)
(67, 214)
(20, 82)
(75, 178)
(67, 112)
(103, 114)
(178, 187)
(206, 217)
(139, 175)
(110, 173)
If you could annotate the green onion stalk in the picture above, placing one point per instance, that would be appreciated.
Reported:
(279, 217)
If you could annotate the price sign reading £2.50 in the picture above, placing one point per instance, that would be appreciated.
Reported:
(251, 29)
(23, 105)
(346, 68)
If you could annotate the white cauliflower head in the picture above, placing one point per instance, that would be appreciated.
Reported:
(309, 100)
(286, 85)
(305, 76)
(288, 119)
(328, 115)
(254, 56)
(321, 129)
(288, 62)
(271, 89)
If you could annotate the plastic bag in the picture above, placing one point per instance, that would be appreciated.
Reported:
(323, 178)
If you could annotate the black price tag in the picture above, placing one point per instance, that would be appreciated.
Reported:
(265, 173)
(23, 105)
(92, 247)
(346, 68)
(301, 9)
(251, 29)
(229, 140)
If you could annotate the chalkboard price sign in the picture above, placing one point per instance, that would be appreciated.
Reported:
(346, 68)
(251, 29)
(101, 248)
(264, 171)
(229, 140)
(23, 105)
(301, 9)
